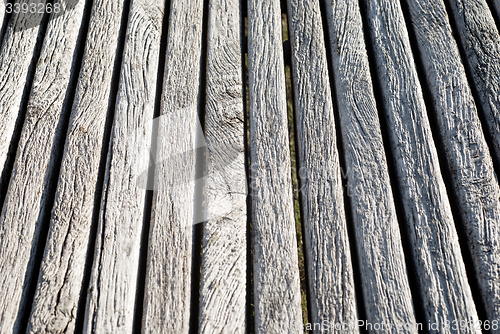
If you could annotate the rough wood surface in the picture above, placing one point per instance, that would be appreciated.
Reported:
(26, 199)
(384, 279)
(62, 269)
(467, 154)
(329, 266)
(167, 299)
(15, 58)
(223, 306)
(113, 284)
(277, 300)
(438, 261)
(481, 43)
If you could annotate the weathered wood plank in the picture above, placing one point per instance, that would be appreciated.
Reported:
(167, 299)
(444, 288)
(481, 43)
(26, 197)
(16, 56)
(466, 151)
(386, 290)
(113, 284)
(61, 273)
(223, 306)
(331, 284)
(275, 258)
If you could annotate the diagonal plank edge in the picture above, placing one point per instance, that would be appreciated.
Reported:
(329, 266)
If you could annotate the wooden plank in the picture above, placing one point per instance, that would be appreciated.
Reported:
(15, 58)
(444, 288)
(331, 284)
(277, 301)
(481, 43)
(113, 284)
(167, 299)
(62, 269)
(26, 197)
(467, 153)
(384, 279)
(223, 306)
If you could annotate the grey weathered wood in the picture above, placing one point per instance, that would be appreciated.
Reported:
(62, 269)
(444, 288)
(275, 260)
(167, 299)
(331, 284)
(383, 272)
(15, 57)
(467, 153)
(481, 42)
(26, 198)
(223, 306)
(113, 284)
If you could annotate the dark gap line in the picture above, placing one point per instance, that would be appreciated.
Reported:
(299, 226)
(396, 186)
(296, 181)
(40, 234)
(250, 320)
(474, 89)
(445, 168)
(494, 13)
(199, 200)
(5, 23)
(103, 166)
(148, 203)
(351, 231)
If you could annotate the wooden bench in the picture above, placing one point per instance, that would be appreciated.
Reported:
(225, 166)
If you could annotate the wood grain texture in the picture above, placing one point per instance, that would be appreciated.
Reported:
(167, 299)
(481, 42)
(275, 259)
(329, 266)
(223, 306)
(113, 284)
(26, 199)
(467, 154)
(384, 279)
(15, 58)
(444, 288)
(62, 269)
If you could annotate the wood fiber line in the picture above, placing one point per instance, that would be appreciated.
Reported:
(467, 153)
(111, 296)
(481, 42)
(275, 259)
(61, 274)
(16, 54)
(435, 249)
(223, 275)
(384, 278)
(167, 298)
(329, 266)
